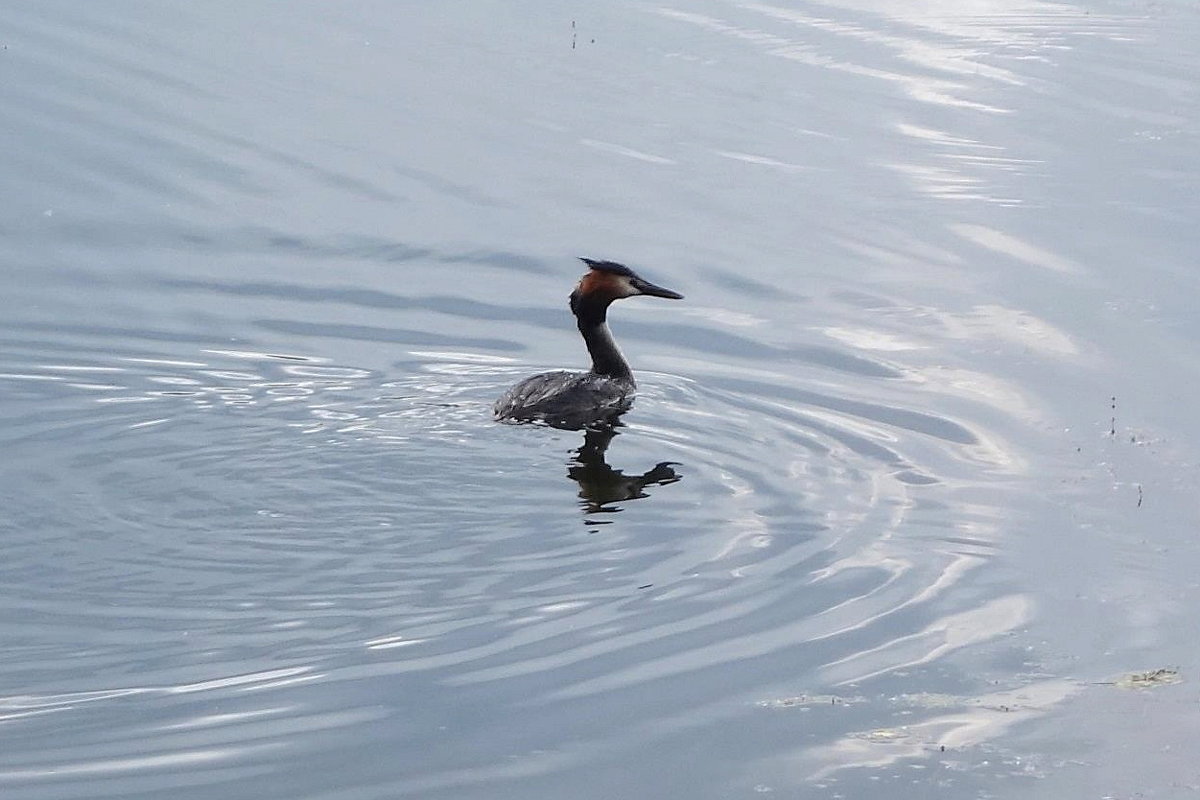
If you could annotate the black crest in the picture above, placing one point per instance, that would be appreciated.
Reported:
(608, 266)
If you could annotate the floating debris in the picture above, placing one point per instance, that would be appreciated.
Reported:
(810, 700)
(930, 700)
(1166, 676)
(883, 735)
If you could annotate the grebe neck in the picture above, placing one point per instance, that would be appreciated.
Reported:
(593, 326)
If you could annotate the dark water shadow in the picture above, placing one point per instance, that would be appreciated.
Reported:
(601, 486)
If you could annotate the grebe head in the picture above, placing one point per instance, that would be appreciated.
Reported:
(606, 281)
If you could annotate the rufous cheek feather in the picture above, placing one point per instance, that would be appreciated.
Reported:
(597, 284)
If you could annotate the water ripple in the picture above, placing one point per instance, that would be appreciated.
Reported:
(261, 534)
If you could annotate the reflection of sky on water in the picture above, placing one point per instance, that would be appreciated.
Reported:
(912, 451)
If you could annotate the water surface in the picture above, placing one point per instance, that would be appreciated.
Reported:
(908, 488)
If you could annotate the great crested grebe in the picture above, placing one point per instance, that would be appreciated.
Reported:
(579, 399)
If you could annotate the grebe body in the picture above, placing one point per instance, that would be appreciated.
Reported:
(580, 399)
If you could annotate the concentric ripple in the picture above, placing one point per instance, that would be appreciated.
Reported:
(265, 269)
(338, 525)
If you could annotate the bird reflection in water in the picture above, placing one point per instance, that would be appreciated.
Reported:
(600, 485)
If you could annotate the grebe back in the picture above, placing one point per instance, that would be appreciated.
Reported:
(579, 399)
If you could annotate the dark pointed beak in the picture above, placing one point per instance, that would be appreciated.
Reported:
(646, 287)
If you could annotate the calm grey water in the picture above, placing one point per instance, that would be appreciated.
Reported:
(929, 401)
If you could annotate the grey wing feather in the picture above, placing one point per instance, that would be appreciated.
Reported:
(570, 398)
